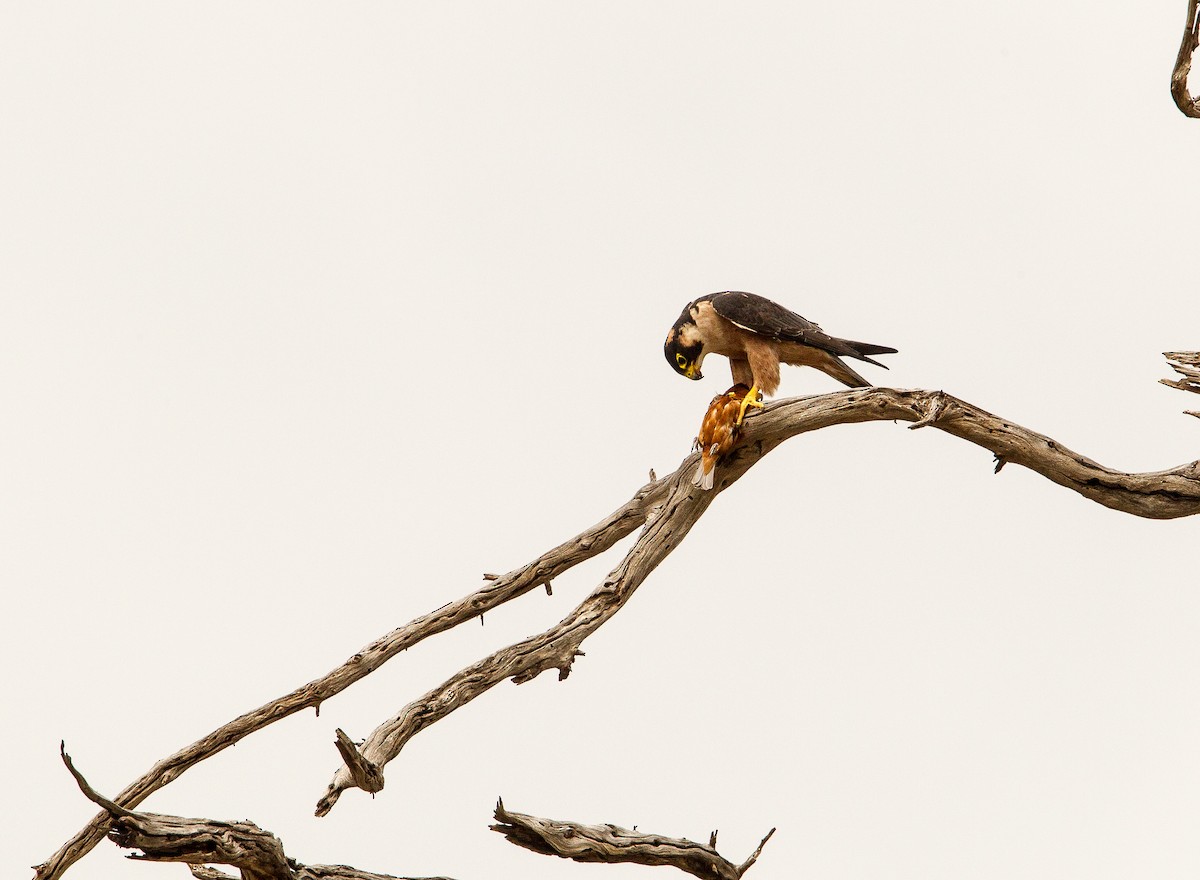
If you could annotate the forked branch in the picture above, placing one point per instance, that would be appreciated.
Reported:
(255, 853)
(1158, 495)
(591, 542)
(667, 507)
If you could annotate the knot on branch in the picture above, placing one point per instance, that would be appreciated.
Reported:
(560, 659)
(933, 406)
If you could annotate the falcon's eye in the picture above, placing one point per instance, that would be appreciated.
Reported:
(680, 359)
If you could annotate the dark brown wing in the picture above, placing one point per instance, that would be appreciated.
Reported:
(766, 318)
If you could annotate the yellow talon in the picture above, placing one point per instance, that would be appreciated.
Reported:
(751, 399)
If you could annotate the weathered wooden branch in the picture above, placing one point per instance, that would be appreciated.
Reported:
(255, 853)
(612, 844)
(1187, 365)
(1158, 495)
(591, 542)
(668, 507)
(556, 648)
(1188, 105)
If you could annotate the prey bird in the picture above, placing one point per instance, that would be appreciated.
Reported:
(718, 433)
(757, 335)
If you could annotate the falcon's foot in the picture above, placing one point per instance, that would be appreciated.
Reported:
(751, 399)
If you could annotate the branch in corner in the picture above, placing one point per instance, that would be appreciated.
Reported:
(1187, 105)
(255, 853)
(612, 844)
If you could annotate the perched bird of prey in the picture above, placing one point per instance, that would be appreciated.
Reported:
(718, 432)
(757, 335)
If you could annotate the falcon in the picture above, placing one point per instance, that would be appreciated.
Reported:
(757, 335)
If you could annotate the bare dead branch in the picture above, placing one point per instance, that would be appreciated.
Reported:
(612, 844)
(88, 792)
(668, 508)
(556, 648)
(1187, 105)
(1159, 495)
(591, 542)
(753, 857)
(1155, 495)
(257, 854)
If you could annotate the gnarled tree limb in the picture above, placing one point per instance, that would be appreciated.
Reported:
(668, 507)
(257, 854)
(1157, 495)
(1187, 105)
(556, 648)
(612, 844)
(591, 542)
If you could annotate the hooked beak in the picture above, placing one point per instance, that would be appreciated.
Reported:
(693, 372)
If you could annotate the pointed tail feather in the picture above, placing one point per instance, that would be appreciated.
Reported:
(862, 349)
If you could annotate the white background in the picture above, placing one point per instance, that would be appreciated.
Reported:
(313, 313)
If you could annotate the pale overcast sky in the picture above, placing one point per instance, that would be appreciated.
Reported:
(313, 313)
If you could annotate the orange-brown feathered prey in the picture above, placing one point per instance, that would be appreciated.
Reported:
(757, 335)
(718, 432)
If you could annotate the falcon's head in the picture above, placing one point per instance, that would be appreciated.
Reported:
(684, 348)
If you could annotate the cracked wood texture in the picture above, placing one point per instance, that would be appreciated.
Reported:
(668, 507)
(257, 854)
(612, 844)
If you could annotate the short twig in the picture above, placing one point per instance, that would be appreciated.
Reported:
(90, 793)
